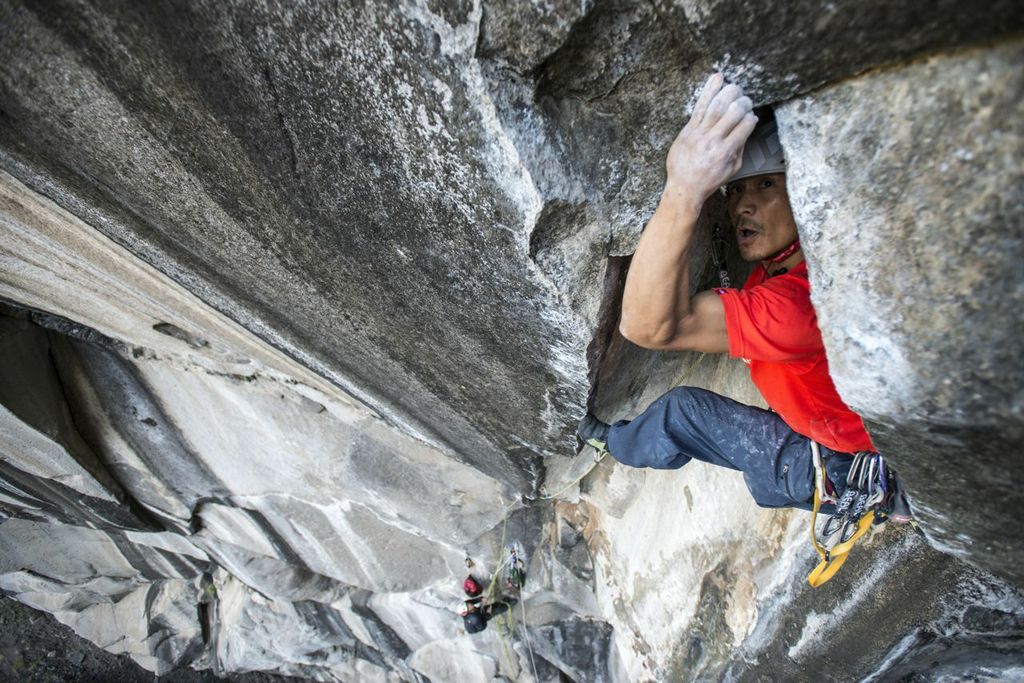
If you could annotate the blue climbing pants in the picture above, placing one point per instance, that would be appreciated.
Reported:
(693, 424)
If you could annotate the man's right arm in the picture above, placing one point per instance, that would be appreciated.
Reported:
(657, 309)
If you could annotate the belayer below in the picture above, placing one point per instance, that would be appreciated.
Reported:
(810, 450)
(477, 610)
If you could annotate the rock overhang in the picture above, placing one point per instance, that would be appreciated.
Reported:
(352, 182)
(417, 205)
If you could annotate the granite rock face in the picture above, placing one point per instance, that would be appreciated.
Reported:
(921, 164)
(299, 305)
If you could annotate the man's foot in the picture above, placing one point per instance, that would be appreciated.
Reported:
(593, 432)
(889, 501)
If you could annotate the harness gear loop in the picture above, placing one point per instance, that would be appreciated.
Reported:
(820, 476)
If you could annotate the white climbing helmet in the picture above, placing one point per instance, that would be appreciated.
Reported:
(762, 154)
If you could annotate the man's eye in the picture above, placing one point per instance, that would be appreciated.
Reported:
(732, 190)
(767, 182)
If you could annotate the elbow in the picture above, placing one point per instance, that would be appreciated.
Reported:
(644, 337)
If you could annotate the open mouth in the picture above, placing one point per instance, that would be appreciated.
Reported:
(745, 234)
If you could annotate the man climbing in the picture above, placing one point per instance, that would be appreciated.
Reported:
(476, 610)
(770, 324)
(476, 613)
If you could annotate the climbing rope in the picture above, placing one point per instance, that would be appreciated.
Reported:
(505, 623)
(690, 369)
(526, 634)
(502, 622)
(598, 457)
(489, 591)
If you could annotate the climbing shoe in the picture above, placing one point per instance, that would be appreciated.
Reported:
(592, 432)
(901, 510)
(895, 506)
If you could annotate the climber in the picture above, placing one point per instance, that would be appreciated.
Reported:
(476, 614)
(476, 610)
(769, 323)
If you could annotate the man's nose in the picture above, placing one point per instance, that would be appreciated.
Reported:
(744, 205)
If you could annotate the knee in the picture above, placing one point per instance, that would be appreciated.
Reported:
(685, 399)
(644, 445)
(653, 459)
(684, 394)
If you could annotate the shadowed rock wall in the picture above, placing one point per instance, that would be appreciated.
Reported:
(302, 302)
(306, 176)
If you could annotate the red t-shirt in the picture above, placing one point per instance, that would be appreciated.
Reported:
(774, 329)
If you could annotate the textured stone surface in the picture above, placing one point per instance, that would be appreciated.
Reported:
(282, 161)
(303, 229)
(777, 50)
(320, 286)
(298, 490)
(36, 647)
(910, 197)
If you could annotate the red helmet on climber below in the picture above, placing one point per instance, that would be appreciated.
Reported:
(472, 587)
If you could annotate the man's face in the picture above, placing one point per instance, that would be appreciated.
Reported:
(760, 212)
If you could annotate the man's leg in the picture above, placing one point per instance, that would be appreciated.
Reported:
(689, 423)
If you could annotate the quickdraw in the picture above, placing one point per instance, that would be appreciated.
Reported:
(868, 488)
(718, 246)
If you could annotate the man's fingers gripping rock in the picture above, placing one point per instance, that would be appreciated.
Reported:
(711, 88)
(738, 138)
(720, 104)
(734, 114)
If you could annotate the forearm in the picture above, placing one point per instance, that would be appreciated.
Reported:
(656, 305)
(657, 292)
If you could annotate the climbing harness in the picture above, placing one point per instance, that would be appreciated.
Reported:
(869, 496)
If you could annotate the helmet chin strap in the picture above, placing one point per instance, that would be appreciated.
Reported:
(784, 254)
